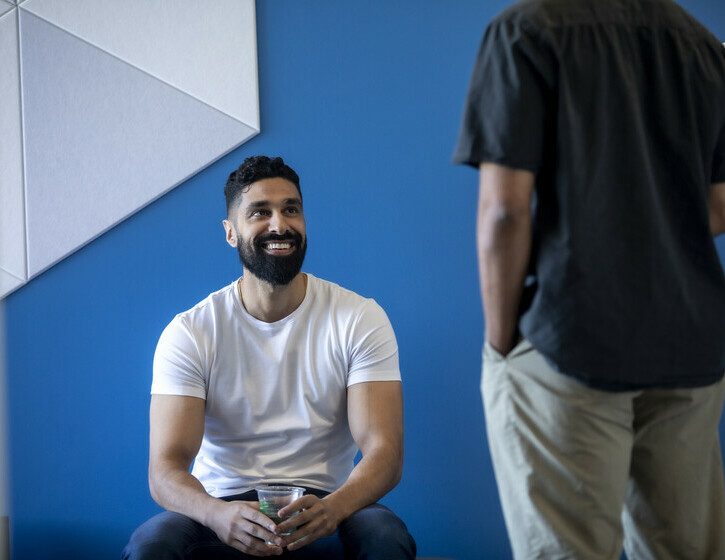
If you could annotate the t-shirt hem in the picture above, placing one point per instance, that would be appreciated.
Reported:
(367, 378)
(506, 161)
(243, 489)
(663, 381)
(179, 392)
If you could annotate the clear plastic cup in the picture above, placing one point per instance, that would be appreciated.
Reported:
(273, 497)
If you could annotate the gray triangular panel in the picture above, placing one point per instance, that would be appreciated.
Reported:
(12, 203)
(102, 139)
(9, 282)
(206, 48)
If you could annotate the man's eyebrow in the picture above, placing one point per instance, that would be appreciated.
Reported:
(258, 204)
(263, 203)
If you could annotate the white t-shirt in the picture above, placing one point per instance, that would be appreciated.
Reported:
(276, 393)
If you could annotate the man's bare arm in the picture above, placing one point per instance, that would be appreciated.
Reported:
(504, 247)
(375, 415)
(717, 209)
(177, 428)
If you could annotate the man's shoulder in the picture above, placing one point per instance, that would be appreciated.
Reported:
(210, 306)
(537, 13)
(340, 299)
(331, 290)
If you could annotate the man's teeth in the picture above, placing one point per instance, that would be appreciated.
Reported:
(279, 245)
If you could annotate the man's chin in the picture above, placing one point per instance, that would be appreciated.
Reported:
(274, 278)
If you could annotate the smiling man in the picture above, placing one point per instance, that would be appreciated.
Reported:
(279, 378)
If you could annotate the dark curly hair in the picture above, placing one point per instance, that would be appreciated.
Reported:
(254, 169)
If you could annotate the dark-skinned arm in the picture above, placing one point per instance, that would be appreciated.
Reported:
(717, 209)
(504, 247)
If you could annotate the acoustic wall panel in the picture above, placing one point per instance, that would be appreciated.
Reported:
(102, 139)
(107, 105)
(12, 207)
(9, 282)
(167, 43)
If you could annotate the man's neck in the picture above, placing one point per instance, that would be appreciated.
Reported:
(270, 303)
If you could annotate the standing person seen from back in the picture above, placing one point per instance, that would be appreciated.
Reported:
(598, 128)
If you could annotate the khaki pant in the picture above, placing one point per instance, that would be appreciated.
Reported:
(582, 472)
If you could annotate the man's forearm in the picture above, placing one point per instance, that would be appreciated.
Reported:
(377, 473)
(179, 491)
(504, 248)
(716, 207)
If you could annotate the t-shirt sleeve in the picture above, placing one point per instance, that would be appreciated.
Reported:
(506, 108)
(372, 346)
(177, 363)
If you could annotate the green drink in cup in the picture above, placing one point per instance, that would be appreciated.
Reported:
(273, 498)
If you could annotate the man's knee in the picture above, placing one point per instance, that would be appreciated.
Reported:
(376, 532)
(165, 536)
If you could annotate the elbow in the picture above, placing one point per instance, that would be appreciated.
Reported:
(396, 473)
(499, 222)
(156, 479)
(153, 487)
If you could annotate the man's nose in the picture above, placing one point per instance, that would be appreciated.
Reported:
(277, 223)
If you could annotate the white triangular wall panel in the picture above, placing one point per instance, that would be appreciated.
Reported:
(9, 282)
(12, 204)
(174, 111)
(170, 39)
(102, 139)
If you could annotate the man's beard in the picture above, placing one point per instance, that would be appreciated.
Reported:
(276, 270)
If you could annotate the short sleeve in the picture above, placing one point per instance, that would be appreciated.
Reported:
(372, 347)
(177, 363)
(506, 108)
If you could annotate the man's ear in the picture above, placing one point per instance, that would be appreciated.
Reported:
(231, 232)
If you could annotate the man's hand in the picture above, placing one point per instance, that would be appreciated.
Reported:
(242, 526)
(316, 518)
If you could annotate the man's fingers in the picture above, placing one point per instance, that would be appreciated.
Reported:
(298, 520)
(305, 509)
(302, 536)
(263, 534)
(305, 502)
(256, 548)
(309, 532)
(253, 530)
(248, 543)
(299, 543)
(258, 518)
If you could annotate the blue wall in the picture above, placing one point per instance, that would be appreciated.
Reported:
(363, 99)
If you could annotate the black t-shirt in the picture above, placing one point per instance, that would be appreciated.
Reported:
(618, 107)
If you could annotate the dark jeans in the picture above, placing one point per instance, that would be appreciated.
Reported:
(373, 532)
